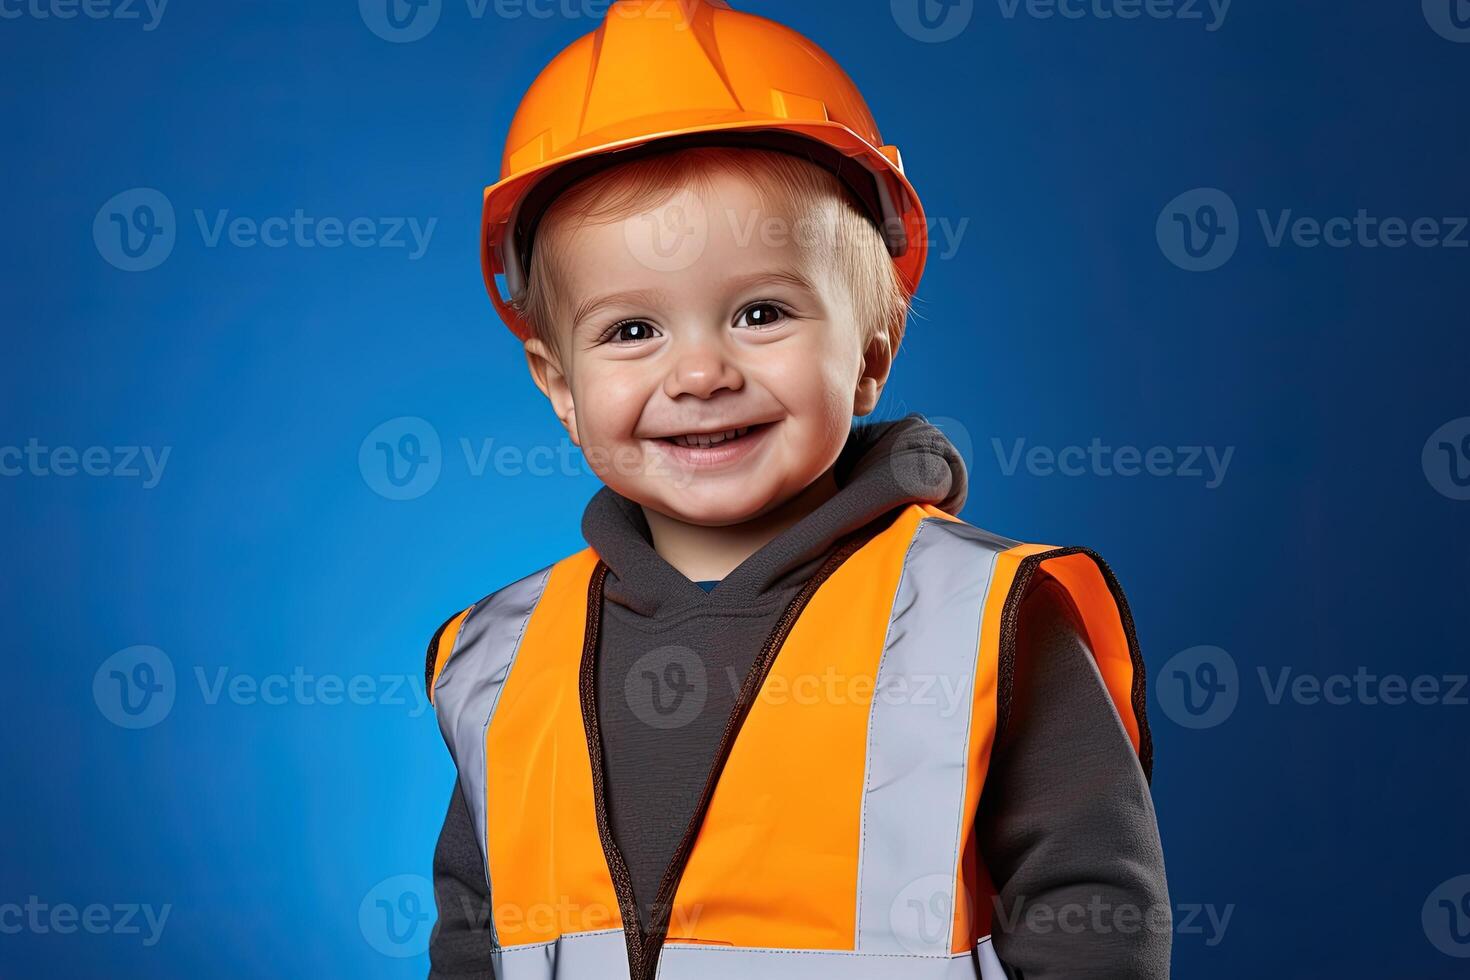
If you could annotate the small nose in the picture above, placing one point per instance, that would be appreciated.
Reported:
(701, 367)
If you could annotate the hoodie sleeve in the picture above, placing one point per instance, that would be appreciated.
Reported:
(459, 946)
(1072, 843)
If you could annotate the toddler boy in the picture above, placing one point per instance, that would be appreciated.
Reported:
(787, 716)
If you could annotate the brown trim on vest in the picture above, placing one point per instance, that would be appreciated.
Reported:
(644, 948)
(1007, 668)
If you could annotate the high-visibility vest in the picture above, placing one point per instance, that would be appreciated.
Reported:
(835, 837)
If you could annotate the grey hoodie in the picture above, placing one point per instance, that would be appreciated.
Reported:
(1069, 820)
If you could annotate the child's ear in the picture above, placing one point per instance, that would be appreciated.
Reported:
(546, 371)
(877, 363)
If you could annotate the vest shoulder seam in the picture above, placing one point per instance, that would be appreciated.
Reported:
(970, 532)
(465, 615)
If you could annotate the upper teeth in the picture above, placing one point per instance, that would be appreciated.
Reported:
(709, 439)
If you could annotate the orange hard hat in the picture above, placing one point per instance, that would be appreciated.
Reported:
(660, 74)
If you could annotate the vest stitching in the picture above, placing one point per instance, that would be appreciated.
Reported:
(1005, 688)
(468, 614)
(964, 816)
(431, 659)
(590, 933)
(616, 866)
(950, 526)
(483, 833)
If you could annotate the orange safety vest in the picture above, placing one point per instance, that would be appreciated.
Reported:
(835, 836)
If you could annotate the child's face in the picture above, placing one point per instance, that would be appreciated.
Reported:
(708, 313)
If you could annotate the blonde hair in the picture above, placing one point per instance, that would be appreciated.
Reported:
(780, 179)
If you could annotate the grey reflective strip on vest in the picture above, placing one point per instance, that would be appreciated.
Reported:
(602, 955)
(687, 961)
(469, 685)
(918, 738)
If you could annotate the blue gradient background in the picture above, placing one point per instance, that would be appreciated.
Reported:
(263, 549)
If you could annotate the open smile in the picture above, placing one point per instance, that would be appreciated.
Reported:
(714, 448)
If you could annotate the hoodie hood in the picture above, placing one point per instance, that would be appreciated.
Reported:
(884, 465)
